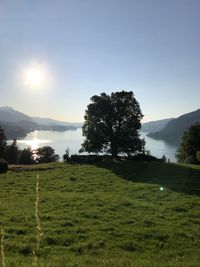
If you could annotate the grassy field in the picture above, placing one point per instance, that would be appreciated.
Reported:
(114, 214)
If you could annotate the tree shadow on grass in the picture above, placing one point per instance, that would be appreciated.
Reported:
(176, 177)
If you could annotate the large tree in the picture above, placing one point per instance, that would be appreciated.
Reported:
(112, 123)
(46, 154)
(12, 152)
(189, 150)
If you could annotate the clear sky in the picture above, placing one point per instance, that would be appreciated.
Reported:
(85, 47)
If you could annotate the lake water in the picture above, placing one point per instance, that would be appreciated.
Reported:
(158, 148)
(60, 141)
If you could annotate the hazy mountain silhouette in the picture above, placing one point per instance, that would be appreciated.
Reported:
(173, 131)
(52, 122)
(13, 130)
(155, 126)
(17, 124)
(10, 115)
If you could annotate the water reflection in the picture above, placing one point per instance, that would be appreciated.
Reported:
(60, 141)
(158, 148)
(73, 139)
(34, 143)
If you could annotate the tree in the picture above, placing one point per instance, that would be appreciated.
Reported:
(3, 143)
(188, 151)
(66, 156)
(46, 154)
(164, 159)
(12, 152)
(25, 156)
(112, 123)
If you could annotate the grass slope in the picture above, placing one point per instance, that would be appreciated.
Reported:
(112, 214)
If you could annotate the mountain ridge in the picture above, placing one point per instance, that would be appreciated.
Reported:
(52, 122)
(155, 126)
(17, 124)
(12, 115)
(174, 130)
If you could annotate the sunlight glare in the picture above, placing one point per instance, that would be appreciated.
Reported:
(35, 76)
(34, 143)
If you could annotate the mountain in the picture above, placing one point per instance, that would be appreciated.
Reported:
(10, 115)
(17, 124)
(52, 122)
(13, 130)
(154, 126)
(173, 131)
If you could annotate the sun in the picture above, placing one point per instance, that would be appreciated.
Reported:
(35, 77)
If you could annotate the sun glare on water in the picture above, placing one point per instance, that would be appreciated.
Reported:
(34, 143)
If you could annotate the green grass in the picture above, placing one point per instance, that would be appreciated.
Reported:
(111, 215)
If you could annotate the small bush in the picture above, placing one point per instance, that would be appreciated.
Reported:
(88, 159)
(3, 166)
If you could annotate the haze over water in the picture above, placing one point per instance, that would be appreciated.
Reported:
(60, 141)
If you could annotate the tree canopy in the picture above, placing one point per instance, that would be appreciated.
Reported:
(46, 154)
(26, 156)
(189, 150)
(12, 152)
(112, 123)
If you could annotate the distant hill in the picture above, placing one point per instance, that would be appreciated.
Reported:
(173, 131)
(10, 115)
(154, 126)
(17, 124)
(13, 130)
(52, 122)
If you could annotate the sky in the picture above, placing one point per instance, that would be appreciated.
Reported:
(80, 48)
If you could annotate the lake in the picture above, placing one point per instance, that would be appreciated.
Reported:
(72, 139)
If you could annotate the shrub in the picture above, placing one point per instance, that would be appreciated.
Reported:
(3, 166)
(145, 157)
(86, 158)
